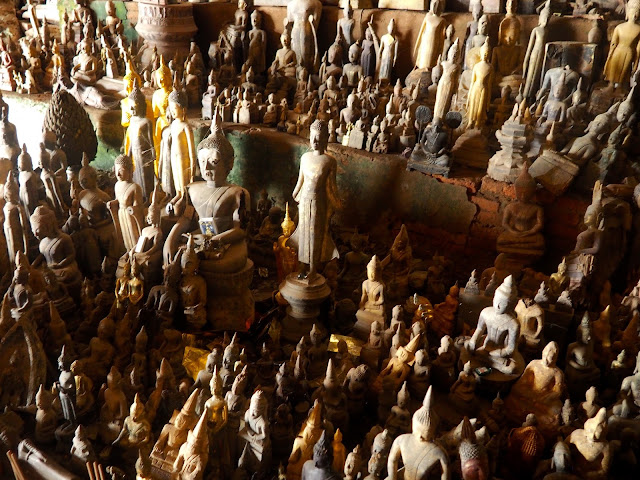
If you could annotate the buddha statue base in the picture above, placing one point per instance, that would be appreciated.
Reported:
(362, 328)
(417, 76)
(507, 164)
(230, 304)
(554, 171)
(472, 149)
(502, 369)
(304, 297)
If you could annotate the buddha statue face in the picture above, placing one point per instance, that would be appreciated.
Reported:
(633, 12)
(285, 41)
(483, 25)
(318, 138)
(354, 53)
(595, 428)
(213, 166)
(422, 429)
(256, 19)
(550, 354)
(176, 109)
(123, 169)
(43, 223)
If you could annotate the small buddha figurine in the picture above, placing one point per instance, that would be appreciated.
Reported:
(506, 55)
(136, 430)
(581, 371)
(141, 147)
(82, 452)
(398, 368)
(406, 447)
(286, 257)
(353, 464)
(56, 249)
(522, 221)
(193, 455)
(334, 400)
(447, 86)
(46, 417)
(16, 226)
(531, 318)
(193, 288)
(630, 387)
(177, 163)
(399, 420)
(256, 430)
(462, 392)
(388, 52)
(534, 56)
(397, 265)
(499, 330)
(114, 408)
(525, 444)
(31, 189)
(310, 433)
(372, 299)
(561, 463)
(593, 454)
(540, 391)
(623, 50)
(559, 281)
(160, 104)
(85, 69)
(372, 352)
(126, 209)
(430, 37)
(51, 182)
(339, 452)
(282, 72)
(444, 314)
(590, 407)
(353, 70)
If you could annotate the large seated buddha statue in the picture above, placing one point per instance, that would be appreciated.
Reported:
(221, 209)
(494, 343)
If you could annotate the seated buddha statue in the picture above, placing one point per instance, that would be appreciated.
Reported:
(580, 369)
(506, 59)
(221, 208)
(522, 221)
(540, 391)
(494, 344)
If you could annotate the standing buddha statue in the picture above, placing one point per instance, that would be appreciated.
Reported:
(160, 105)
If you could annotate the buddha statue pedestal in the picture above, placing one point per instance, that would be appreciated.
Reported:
(554, 171)
(304, 297)
(506, 165)
(230, 304)
(168, 27)
(472, 149)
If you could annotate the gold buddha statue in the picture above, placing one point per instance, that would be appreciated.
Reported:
(130, 79)
(160, 104)
(286, 256)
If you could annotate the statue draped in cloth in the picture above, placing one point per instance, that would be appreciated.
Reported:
(317, 197)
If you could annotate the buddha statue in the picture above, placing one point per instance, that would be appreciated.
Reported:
(397, 265)
(127, 208)
(141, 144)
(624, 48)
(462, 393)
(256, 53)
(85, 69)
(286, 256)
(419, 454)
(430, 36)
(534, 56)
(303, 18)
(371, 306)
(630, 388)
(114, 409)
(256, 431)
(388, 52)
(31, 189)
(540, 390)
(222, 210)
(193, 455)
(193, 289)
(398, 368)
(46, 417)
(56, 250)
(506, 55)
(525, 445)
(581, 371)
(16, 226)
(136, 432)
(447, 85)
(593, 454)
(177, 163)
(320, 466)
(522, 220)
(160, 105)
(498, 330)
(317, 198)
(444, 314)
(559, 281)
(479, 95)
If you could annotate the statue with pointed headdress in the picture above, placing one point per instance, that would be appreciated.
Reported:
(494, 343)
(16, 226)
(141, 147)
(193, 288)
(371, 308)
(148, 249)
(194, 453)
(127, 208)
(420, 455)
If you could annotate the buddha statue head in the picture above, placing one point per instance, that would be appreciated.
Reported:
(123, 167)
(545, 14)
(437, 6)
(454, 52)
(525, 185)
(425, 420)
(550, 354)
(288, 225)
(137, 411)
(511, 7)
(505, 297)
(215, 384)
(354, 53)
(257, 404)
(43, 222)
(163, 75)
(483, 25)
(215, 155)
(319, 135)
(189, 260)
(153, 215)
(137, 101)
(11, 189)
(595, 428)
(485, 50)
(583, 333)
(178, 103)
(285, 40)
(88, 177)
(633, 11)
(373, 269)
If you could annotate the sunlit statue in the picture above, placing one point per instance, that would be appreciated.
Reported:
(480, 89)
(430, 37)
(127, 208)
(420, 455)
(534, 57)
(317, 197)
(160, 105)
(495, 341)
(624, 48)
